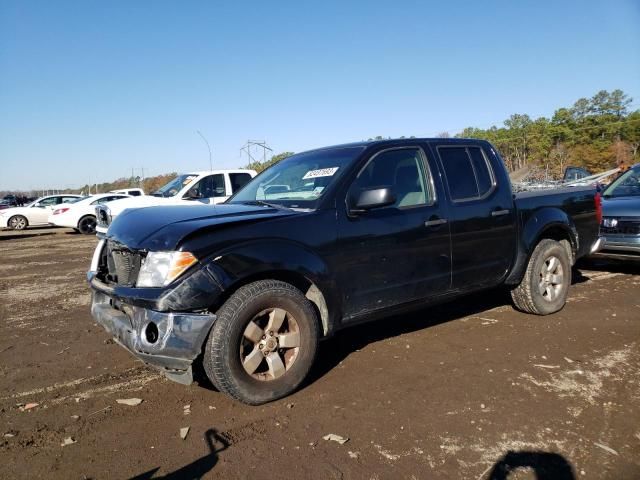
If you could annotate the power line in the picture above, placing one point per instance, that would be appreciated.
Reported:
(255, 144)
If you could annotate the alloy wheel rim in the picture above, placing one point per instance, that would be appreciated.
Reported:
(551, 279)
(89, 225)
(18, 223)
(270, 344)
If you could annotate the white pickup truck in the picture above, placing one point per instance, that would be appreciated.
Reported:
(207, 187)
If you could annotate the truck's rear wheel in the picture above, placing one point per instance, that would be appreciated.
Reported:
(263, 342)
(18, 222)
(87, 225)
(545, 285)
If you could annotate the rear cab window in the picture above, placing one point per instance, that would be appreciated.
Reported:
(238, 180)
(468, 172)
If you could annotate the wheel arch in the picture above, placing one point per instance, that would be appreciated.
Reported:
(282, 261)
(548, 223)
(308, 288)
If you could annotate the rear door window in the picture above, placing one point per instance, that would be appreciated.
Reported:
(481, 168)
(468, 173)
(459, 171)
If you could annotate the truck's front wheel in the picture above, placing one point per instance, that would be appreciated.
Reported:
(545, 285)
(263, 342)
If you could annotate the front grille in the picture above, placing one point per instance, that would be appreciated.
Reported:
(123, 265)
(103, 216)
(623, 227)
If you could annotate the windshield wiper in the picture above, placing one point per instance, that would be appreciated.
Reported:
(266, 204)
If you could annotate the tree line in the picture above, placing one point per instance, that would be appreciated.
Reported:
(597, 133)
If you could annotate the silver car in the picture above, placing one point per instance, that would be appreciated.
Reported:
(620, 228)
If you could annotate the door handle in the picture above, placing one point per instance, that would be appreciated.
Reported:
(499, 213)
(433, 223)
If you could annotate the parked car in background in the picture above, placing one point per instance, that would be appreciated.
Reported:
(327, 239)
(132, 192)
(620, 228)
(5, 204)
(81, 215)
(34, 214)
(210, 187)
(10, 200)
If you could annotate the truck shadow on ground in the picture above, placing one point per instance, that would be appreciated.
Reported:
(345, 342)
(544, 465)
(337, 348)
(198, 468)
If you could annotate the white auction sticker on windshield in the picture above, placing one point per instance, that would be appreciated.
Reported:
(323, 172)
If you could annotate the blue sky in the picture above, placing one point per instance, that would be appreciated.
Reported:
(90, 89)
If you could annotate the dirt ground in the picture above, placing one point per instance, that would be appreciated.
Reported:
(469, 390)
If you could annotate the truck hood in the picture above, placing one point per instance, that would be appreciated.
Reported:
(163, 228)
(118, 206)
(621, 207)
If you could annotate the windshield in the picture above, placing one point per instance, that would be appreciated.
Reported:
(626, 185)
(300, 180)
(174, 186)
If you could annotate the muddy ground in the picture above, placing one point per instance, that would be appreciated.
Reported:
(459, 391)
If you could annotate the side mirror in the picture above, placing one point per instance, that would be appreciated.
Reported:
(373, 198)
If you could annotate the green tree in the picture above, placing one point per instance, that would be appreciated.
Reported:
(260, 166)
(594, 133)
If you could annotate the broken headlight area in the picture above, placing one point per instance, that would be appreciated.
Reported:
(159, 269)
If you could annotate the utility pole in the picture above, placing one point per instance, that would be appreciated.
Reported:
(255, 144)
(208, 147)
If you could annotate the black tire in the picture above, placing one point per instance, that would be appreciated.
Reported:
(87, 225)
(543, 291)
(223, 361)
(18, 222)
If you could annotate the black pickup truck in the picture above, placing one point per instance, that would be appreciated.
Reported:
(323, 240)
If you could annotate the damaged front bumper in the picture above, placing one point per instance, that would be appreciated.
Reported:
(169, 341)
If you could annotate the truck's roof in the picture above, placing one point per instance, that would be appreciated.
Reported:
(405, 141)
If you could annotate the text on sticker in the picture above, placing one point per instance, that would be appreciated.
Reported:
(323, 172)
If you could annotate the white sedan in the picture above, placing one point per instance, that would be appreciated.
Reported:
(81, 215)
(34, 214)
